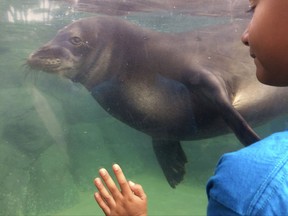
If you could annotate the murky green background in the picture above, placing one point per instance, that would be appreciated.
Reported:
(54, 137)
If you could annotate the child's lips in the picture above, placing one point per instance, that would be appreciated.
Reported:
(252, 55)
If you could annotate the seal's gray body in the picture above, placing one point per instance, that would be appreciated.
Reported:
(172, 87)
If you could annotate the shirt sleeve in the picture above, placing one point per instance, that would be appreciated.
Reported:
(217, 209)
(251, 181)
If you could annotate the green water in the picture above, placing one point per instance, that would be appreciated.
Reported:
(54, 136)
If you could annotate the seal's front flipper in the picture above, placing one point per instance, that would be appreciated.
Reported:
(240, 127)
(214, 89)
(172, 159)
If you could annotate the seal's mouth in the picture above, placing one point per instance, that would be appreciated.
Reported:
(61, 63)
(51, 60)
(44, 63)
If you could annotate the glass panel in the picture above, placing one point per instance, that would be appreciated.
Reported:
(54, 136)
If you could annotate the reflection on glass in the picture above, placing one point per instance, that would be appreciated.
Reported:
(33, 11)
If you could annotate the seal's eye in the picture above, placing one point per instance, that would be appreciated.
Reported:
(75, 41)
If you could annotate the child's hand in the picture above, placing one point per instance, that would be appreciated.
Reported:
(131, 200)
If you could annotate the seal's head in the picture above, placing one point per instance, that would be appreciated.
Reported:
(75, 50)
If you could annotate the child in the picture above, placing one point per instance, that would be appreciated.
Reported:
(253, 180)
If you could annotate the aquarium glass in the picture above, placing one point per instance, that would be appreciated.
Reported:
(54, 136)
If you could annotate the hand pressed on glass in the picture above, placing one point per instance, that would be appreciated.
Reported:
(129, 200)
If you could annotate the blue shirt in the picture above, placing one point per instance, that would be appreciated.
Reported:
(252, 181)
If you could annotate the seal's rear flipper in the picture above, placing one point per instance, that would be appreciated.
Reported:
(172, 159)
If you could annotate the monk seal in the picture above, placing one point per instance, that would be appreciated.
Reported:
(171, 86)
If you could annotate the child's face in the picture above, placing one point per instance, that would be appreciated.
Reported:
(267, 37)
